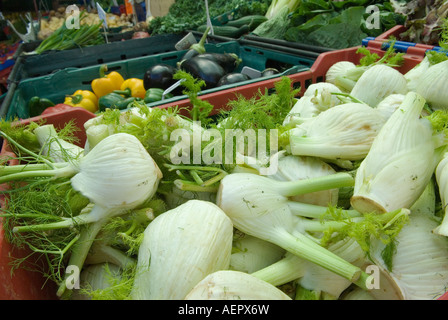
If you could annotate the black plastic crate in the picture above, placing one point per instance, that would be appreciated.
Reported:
(33, 65)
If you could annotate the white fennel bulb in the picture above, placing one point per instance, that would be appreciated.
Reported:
(94, 277)
(256, 205)
(323, 94)
(116, 176)
(357, 294)
(338, 71)
(117, 173)
(388, 105)
(310, 275)
(53, 146)
(441, 175)
(344, 132)
(234, 285)
(433, 85)
(413, 76)
(378, 82)
(419, 265)
(317, 98)
(251, 254)
(180, 247)
(400, 162)
(176, 197)
(319, 279)
(291, 168)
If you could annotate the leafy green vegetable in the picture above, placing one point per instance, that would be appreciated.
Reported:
(338, 24)
(186, 15)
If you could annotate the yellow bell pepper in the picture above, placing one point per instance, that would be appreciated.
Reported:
(83, 98)
(106, 84)
(132, 87)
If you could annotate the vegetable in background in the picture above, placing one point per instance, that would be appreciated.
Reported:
(84, 99)
(37, 105)
(64, 38)
(278, 5)
(154, 95)
(132, 87)
(159, 76)
(276, 26)
(106, 83)
(424, 22)
(114, 100)
(197, 48)
(185, 15)
(205, 69)
(337, 24)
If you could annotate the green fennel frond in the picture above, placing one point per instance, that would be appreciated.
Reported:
(384, 227)
(118, 287)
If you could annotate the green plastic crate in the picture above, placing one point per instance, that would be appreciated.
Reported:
(64, 82)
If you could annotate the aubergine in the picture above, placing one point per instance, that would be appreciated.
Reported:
(232, 78)
(204, 69)
(159, 76)
(229, 61)
(269, 72)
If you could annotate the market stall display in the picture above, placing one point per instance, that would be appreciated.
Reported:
(265, 150)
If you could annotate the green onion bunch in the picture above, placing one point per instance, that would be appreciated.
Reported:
(65, 38)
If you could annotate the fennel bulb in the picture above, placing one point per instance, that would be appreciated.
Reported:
(176, 197)
(413, 76)
(251, 254)
(234, 285)
(400, 162)
(432, 85)
(53, 146)
(378, 82)
(337, 72)
(117, 175)
(316, 99)
(96, 277)
(441, 175)
(181, 247)
(345, 131)
(389, 104)
(256, 205)
(310, 275)
(322, 280)
(419, 266)
(292, 168)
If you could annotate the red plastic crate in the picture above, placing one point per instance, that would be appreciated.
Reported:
(395, 32)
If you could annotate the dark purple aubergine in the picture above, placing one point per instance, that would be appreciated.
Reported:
(159, 76)
(269, 72)
(228, 61)
(205, 69)
(232, 78)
